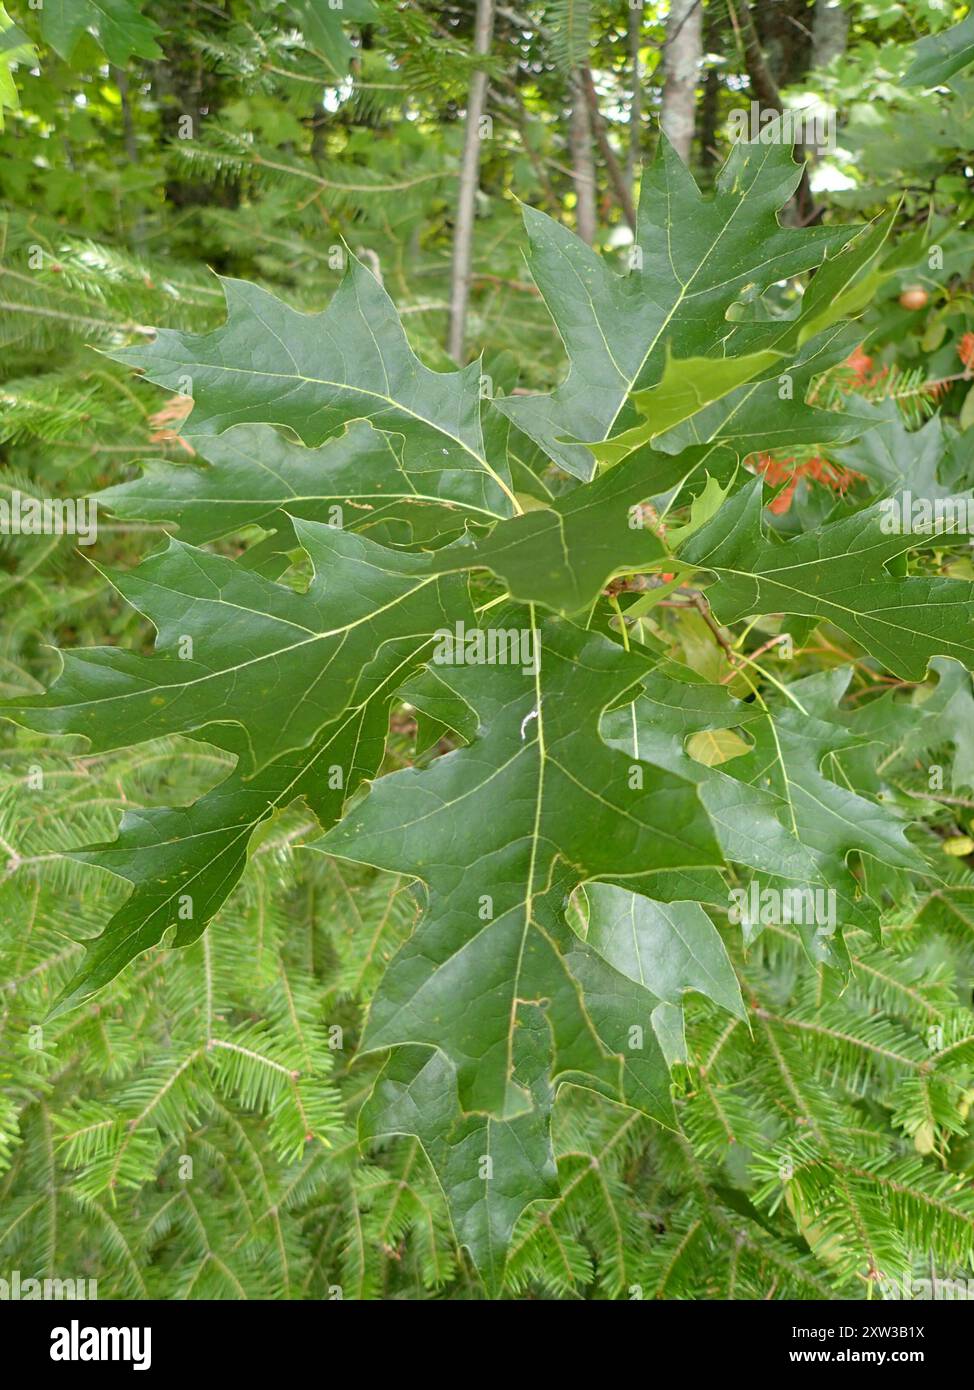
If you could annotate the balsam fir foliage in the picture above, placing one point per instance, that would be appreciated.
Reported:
(575, 847)
(434, 913)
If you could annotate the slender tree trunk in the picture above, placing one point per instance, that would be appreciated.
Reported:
(708, 120)
(681, 64)
(616, 176)
(830, 31)
(634, 148)
(131, 146)
(714, 38)
(765, 89)
(469, 177)
(786, 39)
(583, 166)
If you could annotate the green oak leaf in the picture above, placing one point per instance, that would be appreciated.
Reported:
(438, 709)
(777, 411)
(705, 503)
(490, 1170)
(938, 57)
(15, 48)
(774, 808)
(322, 21)
(185, 861)
(929, 462)
(235, 648)
(946, 714)
(668, 947)
(929, 720)
(253, 476)
(501, 832)
(618, 329)
(754, 353)
(562, 555)
(119, 26)
(838, 573)
(317, 372)
(686, 387)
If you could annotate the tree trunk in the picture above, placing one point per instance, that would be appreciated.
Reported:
(765, 89)
(708, 120)
(786, 39)
(131, 147)
(681, 63)
(616, 177)
(583, 166)
(634, 148)
(714, 36)
(469, 177)
(830, 31)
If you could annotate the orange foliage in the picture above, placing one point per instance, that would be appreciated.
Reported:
(778, 471)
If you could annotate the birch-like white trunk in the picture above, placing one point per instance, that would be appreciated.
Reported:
(635, 106)
(583, 165)
(681, 65)
(830, 31)
(469, 180)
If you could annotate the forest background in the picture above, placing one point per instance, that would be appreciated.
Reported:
(190, 1132)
